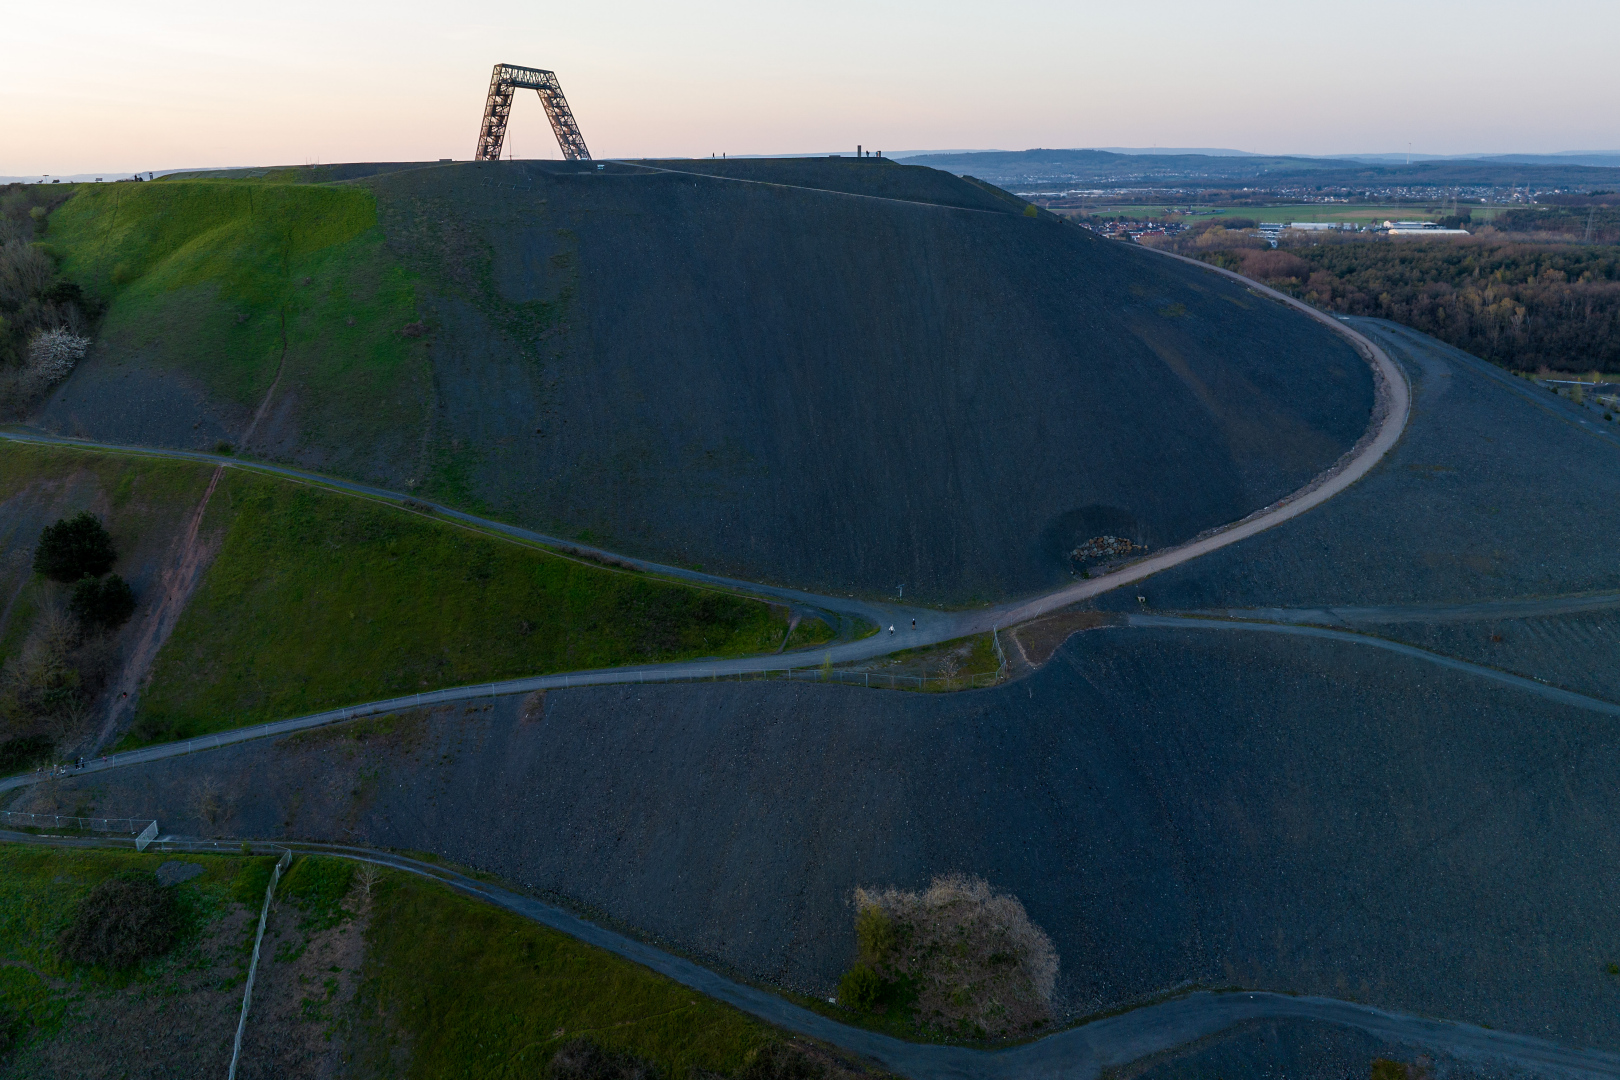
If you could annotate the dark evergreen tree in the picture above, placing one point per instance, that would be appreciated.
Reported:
(102, 603)
(73, 548)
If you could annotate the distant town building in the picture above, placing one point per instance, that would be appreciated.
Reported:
(1421, 228)
(1272, 229)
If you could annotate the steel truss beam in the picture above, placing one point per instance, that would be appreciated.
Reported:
(505, 81)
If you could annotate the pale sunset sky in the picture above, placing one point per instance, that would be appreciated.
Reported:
(119, 87)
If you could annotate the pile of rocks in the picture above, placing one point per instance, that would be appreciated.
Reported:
(1104, 547)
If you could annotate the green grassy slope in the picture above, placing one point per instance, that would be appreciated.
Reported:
(45, 999)
(232, 284)
(466, 989)
(449, 986)
(318, 600)
(139, 500)
(781, 381)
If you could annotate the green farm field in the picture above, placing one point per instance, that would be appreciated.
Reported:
(1358, 214)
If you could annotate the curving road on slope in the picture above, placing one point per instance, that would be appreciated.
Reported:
(1086, 1050)
(1391, 411)
(1081, 1052)
(1296, 622)
(1390, 414)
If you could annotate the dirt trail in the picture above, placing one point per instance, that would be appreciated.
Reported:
(269, 395)
(793, 624)
(191, 555)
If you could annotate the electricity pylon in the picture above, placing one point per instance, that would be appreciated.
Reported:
(506, 80)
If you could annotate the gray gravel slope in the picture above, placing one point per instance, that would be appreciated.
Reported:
(845, 394)
(852, 376)
(1488, 496)
(1173, 806)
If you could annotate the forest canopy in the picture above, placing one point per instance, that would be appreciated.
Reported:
(1524, 306)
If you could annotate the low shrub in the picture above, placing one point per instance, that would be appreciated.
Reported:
(782, 1061)
(73, 548)
(24, 752)
(317, 885)
(102, 603)
(581, 1059)
(126, 920)
(12, 1028)
(860, 988)
(875, 934)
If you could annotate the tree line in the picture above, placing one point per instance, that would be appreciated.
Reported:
(1526, 306)
(44, 317)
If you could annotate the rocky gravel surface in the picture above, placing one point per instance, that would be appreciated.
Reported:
(1172, 807)
(1491, 494)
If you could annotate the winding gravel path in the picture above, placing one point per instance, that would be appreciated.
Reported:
(1389, 420)
(1527, 608)
(1077, 1053)
(1532, 686)
(762, 666)
(1390, 416)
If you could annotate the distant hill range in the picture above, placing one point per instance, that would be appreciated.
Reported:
(1170, 163)
(1111, 168)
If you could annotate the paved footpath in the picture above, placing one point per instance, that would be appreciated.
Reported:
(1077, 1053)
(1389, 421)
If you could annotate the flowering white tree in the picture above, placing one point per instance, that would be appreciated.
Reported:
(52, 354)
(975, 960)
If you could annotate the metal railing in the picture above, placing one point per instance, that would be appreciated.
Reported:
(131, 826)
(889, 680)
(253, 965)
(567, 680)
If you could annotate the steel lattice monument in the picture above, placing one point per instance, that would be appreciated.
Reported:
(505, 81)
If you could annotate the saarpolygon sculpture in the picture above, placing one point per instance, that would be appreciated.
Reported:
(506, 80)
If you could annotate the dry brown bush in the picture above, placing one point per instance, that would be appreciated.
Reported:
(25, 270)
(41, 687)
(48, 686)
(582, 1059)
(209, 801)
(366, 875)
(978, 964)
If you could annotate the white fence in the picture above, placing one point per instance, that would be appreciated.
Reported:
(137, 827)
(253, 965)
(737, 671)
